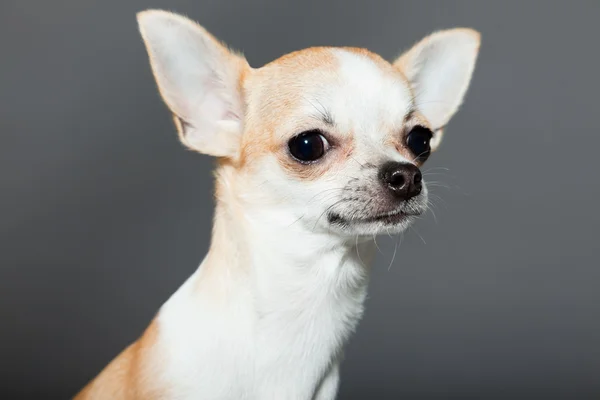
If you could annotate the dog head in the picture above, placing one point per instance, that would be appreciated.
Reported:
(332, 138)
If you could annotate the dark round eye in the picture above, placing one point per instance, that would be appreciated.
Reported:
(308, 146)
(417, 142)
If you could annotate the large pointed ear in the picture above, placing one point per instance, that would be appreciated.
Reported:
(439, 69)
(199, 79)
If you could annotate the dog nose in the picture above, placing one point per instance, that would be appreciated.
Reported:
(402, 179)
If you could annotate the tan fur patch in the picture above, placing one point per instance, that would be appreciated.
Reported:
(274, 93)
(127, 377)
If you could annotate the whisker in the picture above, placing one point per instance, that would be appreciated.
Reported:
(323, 191)
(400, 237)
(327, 209)
(302, 216)
(430, 208)
(438, 184)
(418, 234)
(357, 162)
(322, 111)
(434, 168)
(358, 252)
(433, 173)
(375, 240)
(414, 160)
(435, 196)
(326, 200)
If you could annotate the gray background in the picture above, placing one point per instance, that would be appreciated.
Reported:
(104, 214)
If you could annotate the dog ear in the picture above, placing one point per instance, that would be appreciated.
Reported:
(439, 69)
(199, 79)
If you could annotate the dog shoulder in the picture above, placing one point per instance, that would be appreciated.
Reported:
(131, 375)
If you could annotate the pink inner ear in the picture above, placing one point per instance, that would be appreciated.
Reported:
(216, 101)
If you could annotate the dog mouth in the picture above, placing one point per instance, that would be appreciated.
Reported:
(389, 218)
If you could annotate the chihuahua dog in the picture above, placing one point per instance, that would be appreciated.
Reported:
(317, 153)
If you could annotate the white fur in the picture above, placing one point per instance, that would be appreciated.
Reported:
(267, 313)
(439, 69)
(295, 293)
(197, 80)
(275, 327)
(368, 97)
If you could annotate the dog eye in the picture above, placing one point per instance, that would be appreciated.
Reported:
(417, 142)
(308, 146)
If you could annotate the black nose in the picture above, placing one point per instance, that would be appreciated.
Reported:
(402, 179)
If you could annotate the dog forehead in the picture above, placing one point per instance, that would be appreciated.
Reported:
(370, 92)
(355, 87)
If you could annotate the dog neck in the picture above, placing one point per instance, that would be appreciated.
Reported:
(270, 252)
(271, 291)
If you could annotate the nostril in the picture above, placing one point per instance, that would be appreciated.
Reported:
(397, 179)
(418, 178)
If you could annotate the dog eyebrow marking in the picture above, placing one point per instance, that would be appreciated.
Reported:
(323, 113)
(409, 115)
(436, 130)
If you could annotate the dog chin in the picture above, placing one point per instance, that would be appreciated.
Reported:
(389, 223)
